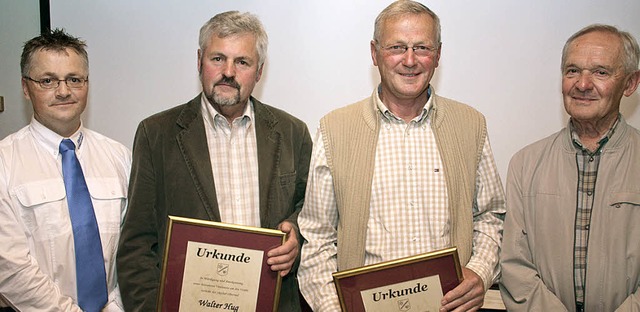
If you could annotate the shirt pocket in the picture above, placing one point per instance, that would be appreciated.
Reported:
(43, 211)
(626, 200)
(109, 198)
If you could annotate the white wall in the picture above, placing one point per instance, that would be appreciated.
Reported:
(19, 22)
(500, 56)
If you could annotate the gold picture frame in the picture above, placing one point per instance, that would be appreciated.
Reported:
(209, 264)
(415, 283)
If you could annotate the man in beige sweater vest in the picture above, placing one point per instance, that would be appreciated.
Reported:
(401, 173)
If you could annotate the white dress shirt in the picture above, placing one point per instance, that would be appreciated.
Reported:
(408, 213)
(37, 259)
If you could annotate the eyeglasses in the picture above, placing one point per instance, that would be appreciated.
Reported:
(50, 83)
(419, 50)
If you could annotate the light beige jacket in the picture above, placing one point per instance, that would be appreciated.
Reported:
(537, 248)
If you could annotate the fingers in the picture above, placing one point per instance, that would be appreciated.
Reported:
(468, 296)
(282, 257)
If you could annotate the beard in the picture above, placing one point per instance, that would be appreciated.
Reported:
(220, 100)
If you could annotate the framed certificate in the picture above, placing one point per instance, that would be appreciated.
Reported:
(211, 266)
(415, 283)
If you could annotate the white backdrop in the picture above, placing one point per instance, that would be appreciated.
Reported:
(499, 56)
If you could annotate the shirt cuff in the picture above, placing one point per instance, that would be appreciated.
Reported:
(480, 268)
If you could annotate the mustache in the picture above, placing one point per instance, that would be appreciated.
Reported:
(586, 95)
(228, 81)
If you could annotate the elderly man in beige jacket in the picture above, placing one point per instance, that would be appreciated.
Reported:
(573, 198)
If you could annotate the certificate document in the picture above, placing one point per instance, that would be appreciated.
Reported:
(415, 283)
(218, 277)
(218, 267)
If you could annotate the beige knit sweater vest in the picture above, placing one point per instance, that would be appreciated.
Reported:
(350, 135)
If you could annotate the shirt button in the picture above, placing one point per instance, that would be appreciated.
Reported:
(591, 159)
(589, 193)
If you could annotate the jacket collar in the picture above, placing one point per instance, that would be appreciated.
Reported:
(616, 141)
(371, 111)
(192, 141)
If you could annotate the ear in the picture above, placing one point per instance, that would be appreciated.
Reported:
(25, 89)
(199, 61)
(259, 73)
(632, 83)
(374, 53)
(437, 57)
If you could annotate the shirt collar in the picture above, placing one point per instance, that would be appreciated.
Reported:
(51, 140)
(578, 144)
(389, 116)
(211, 112)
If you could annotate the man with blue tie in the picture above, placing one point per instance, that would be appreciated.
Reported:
(63, 190)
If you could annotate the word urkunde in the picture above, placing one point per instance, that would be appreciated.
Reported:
(391, 293)
(204, 252)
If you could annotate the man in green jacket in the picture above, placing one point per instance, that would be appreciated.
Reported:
(223, 156)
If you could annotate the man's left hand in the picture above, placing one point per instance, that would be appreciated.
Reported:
(468, 296)
(282, 257)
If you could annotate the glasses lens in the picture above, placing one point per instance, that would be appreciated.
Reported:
(417, 50)
(75, 82)
(421, 51)
(48, 83)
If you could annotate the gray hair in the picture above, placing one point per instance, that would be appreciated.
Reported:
(629, 43)
(402, 7)
(55, 40)
(235, 23)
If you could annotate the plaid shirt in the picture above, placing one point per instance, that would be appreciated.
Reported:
(587, 164)
(409, 211)
(234, 161)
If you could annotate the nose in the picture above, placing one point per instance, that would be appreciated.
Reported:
(230, 69)
(63, 91)
(409, 58)
(585, 81)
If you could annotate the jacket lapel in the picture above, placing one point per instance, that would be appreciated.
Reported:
(192, 142)
(268, 141)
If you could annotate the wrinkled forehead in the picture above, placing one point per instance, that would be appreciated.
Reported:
(409, 27)
(596, 48)
(238, 44)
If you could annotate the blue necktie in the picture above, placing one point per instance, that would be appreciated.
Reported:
(90, 273)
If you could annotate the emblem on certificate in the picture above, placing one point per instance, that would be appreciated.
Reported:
(415, 283)
(213, 266)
